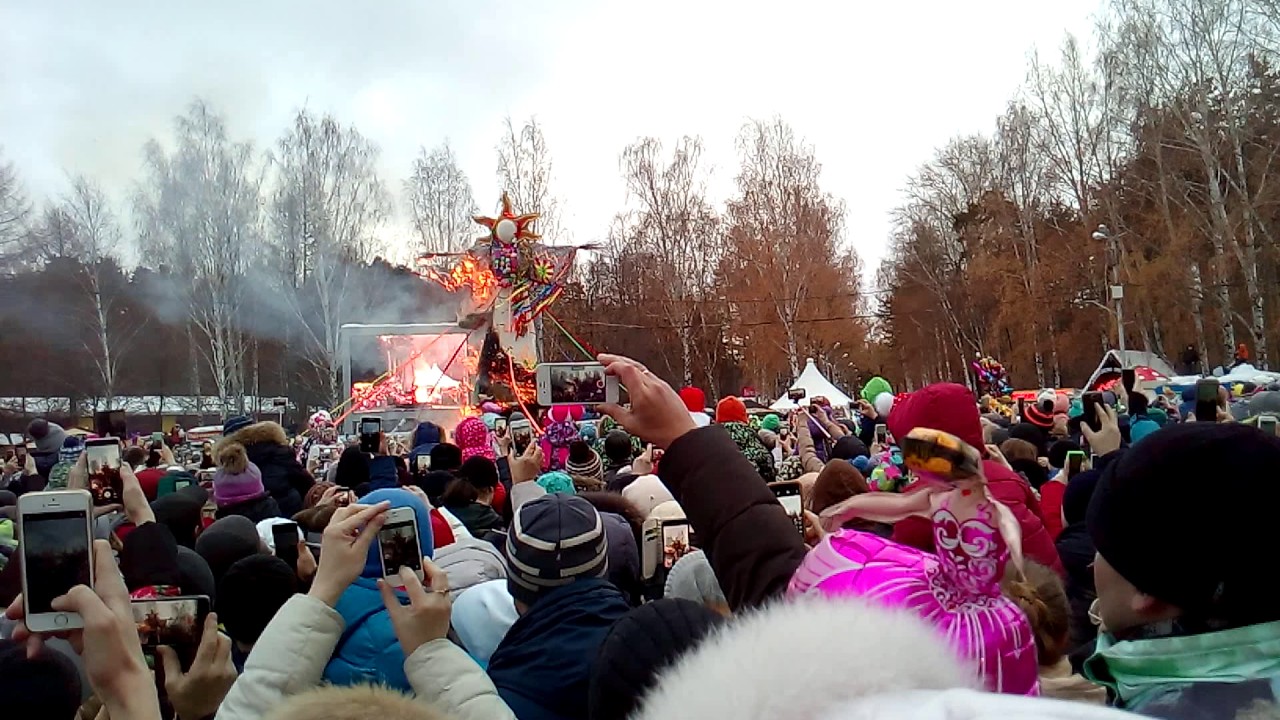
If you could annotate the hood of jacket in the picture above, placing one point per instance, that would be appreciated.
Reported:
(265, 432)
(398, 499)
(426, 434)
(368, 651)
(469, 562)
(942, 406)
(1171, 676)
(542, 668)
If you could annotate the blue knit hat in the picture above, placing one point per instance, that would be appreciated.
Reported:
(556, 482)
(71, 449)
(234, 423)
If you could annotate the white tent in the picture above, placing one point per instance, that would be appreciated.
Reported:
(1113, 362)
(814, 385)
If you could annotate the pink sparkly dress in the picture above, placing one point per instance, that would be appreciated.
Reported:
(957, 590)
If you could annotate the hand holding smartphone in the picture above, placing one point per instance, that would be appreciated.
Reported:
(398, 544)
(575, 384)
(176, 622)
(788, 494)
(102, 458)
(56, 539)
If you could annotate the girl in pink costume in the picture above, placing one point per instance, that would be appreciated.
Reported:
(959, 588)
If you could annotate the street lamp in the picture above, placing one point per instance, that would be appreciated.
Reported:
(1104, 234)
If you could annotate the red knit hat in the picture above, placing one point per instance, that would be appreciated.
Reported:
(694, 399)
(731, 409)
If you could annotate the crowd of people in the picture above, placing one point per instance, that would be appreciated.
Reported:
(953, 558)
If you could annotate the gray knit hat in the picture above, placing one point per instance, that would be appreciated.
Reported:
(553, 541)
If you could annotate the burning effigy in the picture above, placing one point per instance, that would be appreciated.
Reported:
(502, 283)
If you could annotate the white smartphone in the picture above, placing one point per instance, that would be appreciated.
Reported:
(398, 543)
(575, 383)
(56, 539)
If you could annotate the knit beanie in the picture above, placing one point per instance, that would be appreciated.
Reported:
(234, 423)
(556, 482)
(691, 578)
(45, 685)
(647, 492)
(445, 456)
(554, 540)
(638, 647)
(771, 423)
(236, 479)
(480, 471)
(227, 540)
(1058, 452)
(473, 438)
(48, 436)
(584, 466)
(849, 447)
(731, 409)
(71, 449)
(694, 399)
(251, 593)
(874, 388)
(617, 446)
(1149, 496)
(1140, 428)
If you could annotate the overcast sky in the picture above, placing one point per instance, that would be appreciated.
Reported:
(874, 86)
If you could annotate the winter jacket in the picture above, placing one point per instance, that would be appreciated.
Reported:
(752, 544)
(290, 657)
(1225, 674)
(624, 556)
(477, 517)
(258, 509)
(1075, 547)
(542, 668)
(368, 650)
(282, 475)
(951, 408)
(1051, 505)
(469, 562)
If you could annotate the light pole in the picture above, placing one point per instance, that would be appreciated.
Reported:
(1103, 233)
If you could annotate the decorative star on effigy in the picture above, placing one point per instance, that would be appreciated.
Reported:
(508, 226)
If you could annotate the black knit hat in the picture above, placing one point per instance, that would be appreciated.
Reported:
(554, 540)
(583, 461)
(1186, 517)
(251, 592)
(617, 446)
(227, 540)
(480, 471)
(638, 647)
(46, 686)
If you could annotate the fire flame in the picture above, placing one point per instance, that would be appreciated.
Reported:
(469, 272)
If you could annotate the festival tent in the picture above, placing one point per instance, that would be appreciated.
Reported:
(1150, 370)
(814, 385)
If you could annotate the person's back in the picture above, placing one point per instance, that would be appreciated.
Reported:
(268, 448)
(558, 551)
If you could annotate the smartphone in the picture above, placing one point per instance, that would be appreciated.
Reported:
(677, 541)
(55, 538)
(575, 383)
(1089, 403)
(110, 423)
(1207, 400)
(1267, 424)
(500, 426)
(284, 536)
(1128, 377)
(1022, 409)
(102, 457)
(521, 435)
(796, 394)
(882, 434)
(788, 494)
(398, 543)
(370, 430)
(1075, 461)
(181, 484)
(422, 463)
(174, 621)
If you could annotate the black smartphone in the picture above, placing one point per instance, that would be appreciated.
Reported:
(1022, 409)
(1127, 378)
(1075, 461)
(177, 622)
(370, 434)
(1090, 402)
(1207, 400)
(795, 394)
(285, 538)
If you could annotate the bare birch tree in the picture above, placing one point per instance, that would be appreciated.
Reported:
(15, 213)
(524, 171)
(441, 202)
(199, 211)
(327, 202)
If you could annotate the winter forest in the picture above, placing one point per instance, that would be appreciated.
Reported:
(230, 267)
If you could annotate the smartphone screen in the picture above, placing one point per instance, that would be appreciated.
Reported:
(55, 556)
(103, 459)
(423, 463)
(177, 622)
(284, 536)
(882, 433)
(1206, 400)
(1089, 403)
(788, 494)
(1267, 424)
(1075, 460)
(676, 541)
(369, 429)
(398, 544)
(573, 383)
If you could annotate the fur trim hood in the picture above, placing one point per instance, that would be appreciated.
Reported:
(259, 432)
(804, 659)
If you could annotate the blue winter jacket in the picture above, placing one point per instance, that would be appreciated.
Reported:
(542, 668)
(368, 650)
